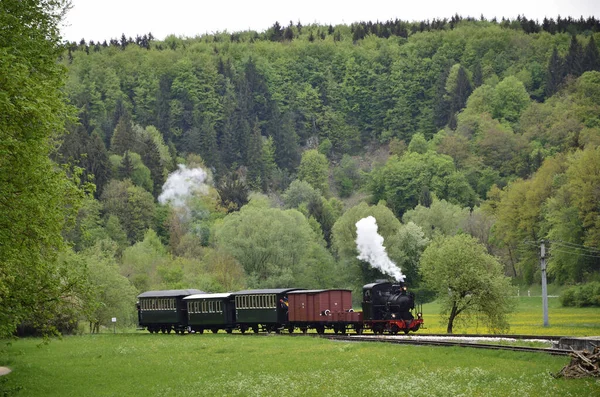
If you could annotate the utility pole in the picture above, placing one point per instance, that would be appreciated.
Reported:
(544, 286)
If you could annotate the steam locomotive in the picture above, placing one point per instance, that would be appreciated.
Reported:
(386, 307)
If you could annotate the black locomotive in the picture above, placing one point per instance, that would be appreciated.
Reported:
(387, 307)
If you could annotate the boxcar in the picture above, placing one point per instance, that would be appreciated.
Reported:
(164, 311)
(265, 309)
(211, 312)
(320, 309)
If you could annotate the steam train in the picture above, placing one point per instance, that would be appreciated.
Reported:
(386, 307)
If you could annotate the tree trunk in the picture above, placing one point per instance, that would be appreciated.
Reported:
(453, 315)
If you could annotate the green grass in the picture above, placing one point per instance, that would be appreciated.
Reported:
(226, 365)
(528, 319)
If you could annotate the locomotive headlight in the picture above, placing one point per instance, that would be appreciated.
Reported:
(393, 315)
(419, 315)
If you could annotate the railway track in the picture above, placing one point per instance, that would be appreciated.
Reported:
(421, 342)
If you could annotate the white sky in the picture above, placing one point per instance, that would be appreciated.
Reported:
(105, 19)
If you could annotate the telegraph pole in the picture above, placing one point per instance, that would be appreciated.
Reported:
(544, 286)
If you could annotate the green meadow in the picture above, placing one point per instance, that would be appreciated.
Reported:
(142, 364)
(527, 318)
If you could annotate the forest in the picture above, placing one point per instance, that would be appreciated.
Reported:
(244, 160)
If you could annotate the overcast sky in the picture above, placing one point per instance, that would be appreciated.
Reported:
(105, 19)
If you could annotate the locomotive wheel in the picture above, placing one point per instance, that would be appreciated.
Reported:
(291, 329)
(163, 330)
(228, 330)
(201, 331)
(359, 331)
(406, 331)
(168, 330)
(395, 329)
(215, 330)
(255, 329)
(243, 330)
(335, 330)
(303, 329)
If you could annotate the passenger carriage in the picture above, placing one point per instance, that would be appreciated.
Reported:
(211, 312)
(164, 311)
(262, 309)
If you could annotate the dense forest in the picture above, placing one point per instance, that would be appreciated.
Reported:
(292, 135)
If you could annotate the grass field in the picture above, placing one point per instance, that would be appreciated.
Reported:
(145, 364)
(528, 319)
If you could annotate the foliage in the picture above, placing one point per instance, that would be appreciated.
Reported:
(132, 205)
(404, 244)
(37, 197)
(314, 169)
(582, 295)
(441, 218)
(111, 294)
(468, 281)
(275, 247)
(401, 182)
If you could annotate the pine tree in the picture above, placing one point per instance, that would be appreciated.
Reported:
(151, 159)
(573, 61)
(554, 75)
(97, 163)
(441, 111)
(462, 91)
(123, 138)
(591, 59)
(126, 167)
(255, 160)
(163, 109)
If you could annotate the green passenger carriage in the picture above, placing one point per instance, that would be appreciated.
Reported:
(164, 311)
(265, 309)
(210, 312)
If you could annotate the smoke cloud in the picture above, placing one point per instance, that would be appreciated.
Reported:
(181, 184)
(370, 246)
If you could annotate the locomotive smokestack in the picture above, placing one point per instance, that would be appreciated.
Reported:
(370, 247)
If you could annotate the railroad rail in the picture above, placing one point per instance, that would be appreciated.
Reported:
(409, 341)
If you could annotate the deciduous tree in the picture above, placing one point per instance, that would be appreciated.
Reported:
(469, 282)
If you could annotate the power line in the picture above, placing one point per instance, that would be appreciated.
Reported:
(574, 253)
(573, 245)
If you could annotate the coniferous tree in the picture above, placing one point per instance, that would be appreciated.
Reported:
(97, 163)
(123, 138)
(255, 160)
(151, 159)
(441, 112)
(126, 167)
(591, 59)
(462, 91)
(208, 144)
(554, 75)
(163, 109)
(573, 61)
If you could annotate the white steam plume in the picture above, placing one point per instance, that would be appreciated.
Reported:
(181, 184)
(371, 249)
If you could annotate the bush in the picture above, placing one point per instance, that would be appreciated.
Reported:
(423, 295)
(582, 295)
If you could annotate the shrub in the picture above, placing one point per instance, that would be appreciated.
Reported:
(582, 295)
